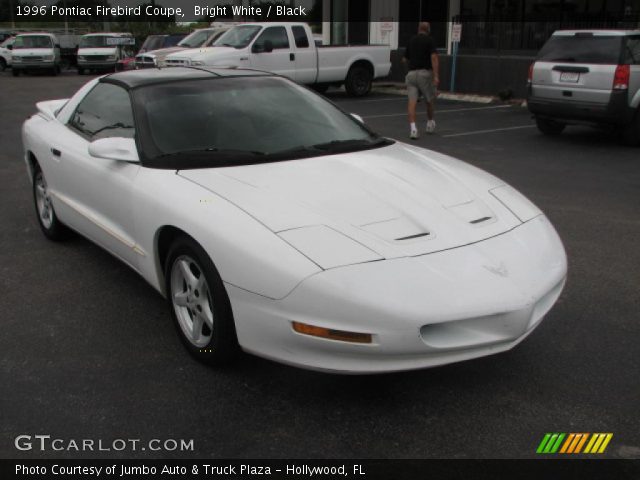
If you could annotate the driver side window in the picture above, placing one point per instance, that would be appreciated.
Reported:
(277, 35)
(105, 112)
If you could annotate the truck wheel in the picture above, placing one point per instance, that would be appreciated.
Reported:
(550, 127)
(631, 133)
(358, 82)
(3, 64)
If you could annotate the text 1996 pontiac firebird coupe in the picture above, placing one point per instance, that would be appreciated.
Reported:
(275, 223)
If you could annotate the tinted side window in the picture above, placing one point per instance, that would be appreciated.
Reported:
(104, 112)
(632, 51)
(277, 35)
(300, 35)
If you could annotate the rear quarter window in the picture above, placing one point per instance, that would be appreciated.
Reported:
(597, 49)
(632, 51)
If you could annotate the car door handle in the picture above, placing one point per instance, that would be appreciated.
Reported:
(244, 58)
(292, 56)
(56, 152)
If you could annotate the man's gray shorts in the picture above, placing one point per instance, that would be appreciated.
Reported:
(420, 81)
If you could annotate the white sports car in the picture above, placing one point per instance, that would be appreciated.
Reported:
(275, 223)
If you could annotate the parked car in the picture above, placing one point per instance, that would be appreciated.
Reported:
(276, 223)
(587, 77)
(5, 53)
(35, 51)
(203, 37)
(157, 42)
(103, 51)
(289, 49)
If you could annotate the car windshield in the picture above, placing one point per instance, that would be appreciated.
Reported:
(33, 41)
(238, 37)
(195, 39)
(594, 49)
(97, 41)
(152, 42)
(240, 120)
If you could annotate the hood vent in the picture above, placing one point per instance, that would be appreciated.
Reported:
(412, 237)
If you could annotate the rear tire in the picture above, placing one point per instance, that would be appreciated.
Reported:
(631, 133)
(359, 81)
(550, 127)
(199, 303)
(52, 228)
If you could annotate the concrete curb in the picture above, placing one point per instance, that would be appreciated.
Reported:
(400, 89)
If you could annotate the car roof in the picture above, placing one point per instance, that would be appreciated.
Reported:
(131, 79)
(108, 34)
(36, 34)
(610, 33)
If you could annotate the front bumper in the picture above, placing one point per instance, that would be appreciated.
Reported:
(32, 66)
(616, 112)
(423, 311)
(97, 65)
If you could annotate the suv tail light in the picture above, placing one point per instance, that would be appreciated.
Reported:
(621, 77)
(530, 77)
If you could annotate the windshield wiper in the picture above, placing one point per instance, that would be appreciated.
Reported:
(112, 127)
(220, 151)
(338, 145)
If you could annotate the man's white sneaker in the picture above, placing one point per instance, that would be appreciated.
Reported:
(414, 134)
(431, 126)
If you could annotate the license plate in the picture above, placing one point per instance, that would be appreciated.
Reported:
(569, 77)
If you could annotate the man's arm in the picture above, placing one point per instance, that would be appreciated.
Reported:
(435, 64)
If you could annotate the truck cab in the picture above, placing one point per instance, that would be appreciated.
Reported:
(35, 51)
(103, 51)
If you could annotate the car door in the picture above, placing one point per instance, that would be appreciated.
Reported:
(306, 56)
(97, 192)
(281, 60)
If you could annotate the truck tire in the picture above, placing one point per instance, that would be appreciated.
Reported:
(359, 80)
(549, 127)
(631, 133)
(3, 64)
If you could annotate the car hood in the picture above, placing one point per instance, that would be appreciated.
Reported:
(397, 201)
(210, 53)
(29, 52)
(161, 53)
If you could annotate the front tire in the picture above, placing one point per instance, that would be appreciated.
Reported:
(52, 228)
(359, 81)
(550, 127)
(199, 304)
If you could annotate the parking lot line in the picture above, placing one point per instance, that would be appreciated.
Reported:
(438, 112)
(478, 132)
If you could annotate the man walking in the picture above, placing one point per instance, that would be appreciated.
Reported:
(423, 76)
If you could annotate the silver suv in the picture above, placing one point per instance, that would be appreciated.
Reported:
(587, 77)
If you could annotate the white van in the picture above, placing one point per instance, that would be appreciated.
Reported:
(35, 51)
(102, 51)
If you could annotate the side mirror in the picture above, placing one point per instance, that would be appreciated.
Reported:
(357, 117)
(115, 148)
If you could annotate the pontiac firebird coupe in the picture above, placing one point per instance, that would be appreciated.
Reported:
(275, 223)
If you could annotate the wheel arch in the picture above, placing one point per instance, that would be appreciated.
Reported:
(363, 62)
(164, 238)
(32, 164)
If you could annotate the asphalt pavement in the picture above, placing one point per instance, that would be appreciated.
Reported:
(88, 349)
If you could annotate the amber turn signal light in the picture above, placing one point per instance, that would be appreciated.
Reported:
(340, 335)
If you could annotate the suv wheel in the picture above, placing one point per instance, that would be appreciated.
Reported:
(550, 127)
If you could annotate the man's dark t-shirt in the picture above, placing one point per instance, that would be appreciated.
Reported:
(419, 51)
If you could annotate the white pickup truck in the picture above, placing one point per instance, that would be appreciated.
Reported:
(289, 49)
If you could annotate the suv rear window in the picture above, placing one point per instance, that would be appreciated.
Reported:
(598, 49)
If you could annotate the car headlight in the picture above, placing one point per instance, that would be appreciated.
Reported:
(16, 59)
(81, 57)
(519, 205)
(111, 57)
(327, 247)
(48, 58)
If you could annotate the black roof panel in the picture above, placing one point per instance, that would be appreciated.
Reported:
(152, 76)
